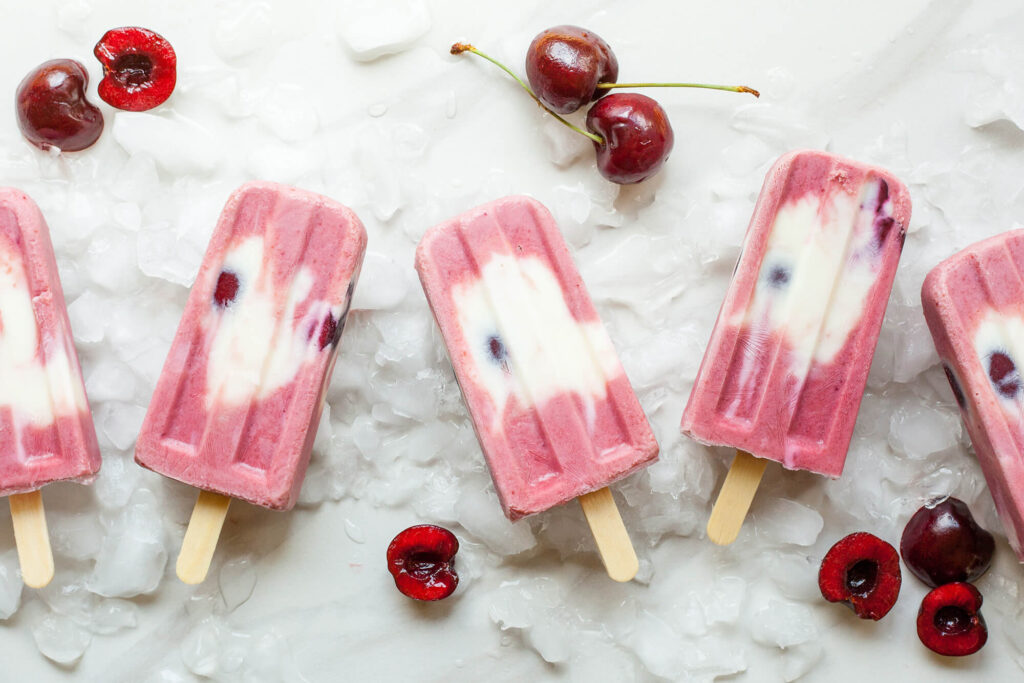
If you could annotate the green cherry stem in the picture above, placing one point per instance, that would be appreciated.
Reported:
(459, 48)
(707, 86)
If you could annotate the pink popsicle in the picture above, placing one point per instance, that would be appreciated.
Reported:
(785, 369)
(46, 429)
(553, 409)
(237, 405)
(974, 305)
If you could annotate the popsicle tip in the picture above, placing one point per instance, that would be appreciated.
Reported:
(721, 535)
(32, 538)
(201, 537)
(625, 571)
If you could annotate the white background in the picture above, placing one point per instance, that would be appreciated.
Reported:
(287, 91)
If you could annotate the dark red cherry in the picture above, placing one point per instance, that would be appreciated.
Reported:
(227, 288)
(52, 109)
(421, 560)
(564, 64)
(942, 543)
(637, 137)
(140, 68)
(862, 571)
(950, 622)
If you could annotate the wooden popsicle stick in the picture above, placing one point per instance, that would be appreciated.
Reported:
(735, 498)
(610, 534)
(201, 536)
(32, 538)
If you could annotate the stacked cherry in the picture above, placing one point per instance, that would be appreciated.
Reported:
(943, 546)
(568, 67)
(139, 73)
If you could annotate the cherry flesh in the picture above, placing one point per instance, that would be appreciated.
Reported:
(564, 64)
(139, 68)
(942, 543)
(637, 136)
(862, 571)
(950, 622)
(421, 560)
(52, 108)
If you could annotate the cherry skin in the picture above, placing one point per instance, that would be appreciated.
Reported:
(52, 108)
(140, 68)
(942, 543)
(564, 64)
(637, 137)
(950, 622)
(862, 571)
(421, 560)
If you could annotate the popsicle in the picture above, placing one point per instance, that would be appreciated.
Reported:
(554, 412)
(46, 429)
(784, 372)
(236, 407)
(974, 306)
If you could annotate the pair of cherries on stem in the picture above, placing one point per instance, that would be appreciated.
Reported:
(568, 67)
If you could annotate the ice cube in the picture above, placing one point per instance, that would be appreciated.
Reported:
(179, 145)
(10, 583)
(479, 512)
(783, 624)
(374, 28)
(918, 431)
(242, 28)
(132, 559)
(786, 521)
(237, 581)
(60, 639)
(383, 283)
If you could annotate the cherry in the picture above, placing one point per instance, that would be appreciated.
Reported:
(636, 137)
(564, 64)
(943, 544)
(631, 133)
(862, 571)
(139, 68)
(568, 66)
(330, 331)
(421, 561)
(949, 621)
(226, 289)
(52, 108)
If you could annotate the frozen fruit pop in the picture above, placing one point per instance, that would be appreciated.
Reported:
(46, 429)
(237, 404)
(554, 411)
(974, 305)
(788, 359)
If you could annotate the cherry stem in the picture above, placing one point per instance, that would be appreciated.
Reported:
(459, 48)
(708, 86)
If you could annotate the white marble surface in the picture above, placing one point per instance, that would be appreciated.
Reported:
(360, 100)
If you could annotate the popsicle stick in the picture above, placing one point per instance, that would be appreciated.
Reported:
(610, 533)
(735, 498)
(201, 536)
(32, 538)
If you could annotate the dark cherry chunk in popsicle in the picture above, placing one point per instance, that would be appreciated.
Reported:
(1003, 373)
(958, 393)
(226, 289)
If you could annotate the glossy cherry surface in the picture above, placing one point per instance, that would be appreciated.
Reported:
(637, 136)
(564, 64)
(942, 543)
(950, 622)
(421, 560)
(52, 109)
(862, 571)
(139, 68)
